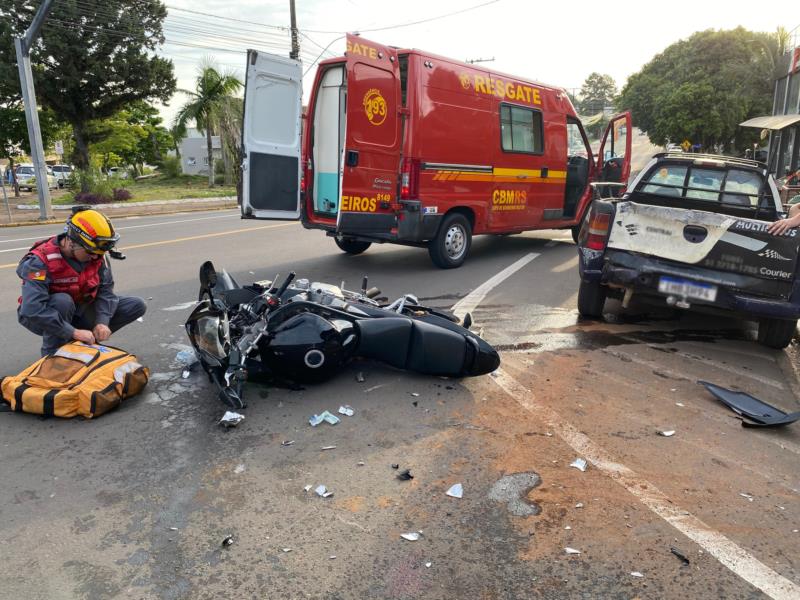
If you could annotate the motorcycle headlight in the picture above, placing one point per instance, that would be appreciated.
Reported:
(213, 336)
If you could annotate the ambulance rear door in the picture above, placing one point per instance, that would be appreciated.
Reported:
(372, 139)
(271, 135)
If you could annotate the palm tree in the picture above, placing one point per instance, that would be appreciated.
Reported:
(207, 104)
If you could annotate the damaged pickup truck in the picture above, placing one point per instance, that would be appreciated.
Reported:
(691, 232)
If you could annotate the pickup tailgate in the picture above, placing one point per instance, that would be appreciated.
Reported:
(705, 239)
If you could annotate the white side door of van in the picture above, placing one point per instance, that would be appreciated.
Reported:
(271, 137)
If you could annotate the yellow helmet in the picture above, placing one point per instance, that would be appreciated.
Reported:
(92, 230)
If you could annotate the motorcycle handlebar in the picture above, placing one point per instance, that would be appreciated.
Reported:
(289, 278)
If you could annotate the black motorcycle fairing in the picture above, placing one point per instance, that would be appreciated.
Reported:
(308, 347)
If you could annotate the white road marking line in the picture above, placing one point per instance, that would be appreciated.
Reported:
(566, 266)
(476, 296)
(550, 244)
(219, 216)
(183, 306)
(732, 556)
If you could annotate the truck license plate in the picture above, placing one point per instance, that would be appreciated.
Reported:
(687, 289)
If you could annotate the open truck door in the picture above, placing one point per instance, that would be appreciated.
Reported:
(614, 159)
(271, 137)
(371, 154)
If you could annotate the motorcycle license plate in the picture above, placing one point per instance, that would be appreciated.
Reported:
(684, 288)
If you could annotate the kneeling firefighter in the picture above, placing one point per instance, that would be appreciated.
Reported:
(68, 288)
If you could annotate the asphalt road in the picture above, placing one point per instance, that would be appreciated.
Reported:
(137, 503)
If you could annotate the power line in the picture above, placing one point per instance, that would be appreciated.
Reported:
(450, 14)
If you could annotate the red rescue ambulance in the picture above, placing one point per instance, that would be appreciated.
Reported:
(406, 147)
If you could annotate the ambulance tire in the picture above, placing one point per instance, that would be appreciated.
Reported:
(449, 249)
(352, 246)
(776, 333)
(591, 299)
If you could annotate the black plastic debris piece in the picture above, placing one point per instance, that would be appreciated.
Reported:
(395, 466)
(228, 541)
(405, 475)
(415, 403)
(760, 413)
(679, 554)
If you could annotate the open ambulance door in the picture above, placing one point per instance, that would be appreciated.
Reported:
(271, 135)
(371, 154)
(614, 159)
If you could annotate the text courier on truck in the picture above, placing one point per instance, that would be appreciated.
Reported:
(407, 147)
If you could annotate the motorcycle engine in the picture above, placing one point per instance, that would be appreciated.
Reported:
(308, 347)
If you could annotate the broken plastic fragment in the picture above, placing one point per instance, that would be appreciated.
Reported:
(415, 394)
(405, 475)
(579, 463)
(679, 554)
(411, 537)
(140, 319)
(568, 528)
(323, 416)
(328, 448)
(571, 551)
(186, 373)
(360, 463)
(308, 487)
(227, 541)
(636, 574)
(746, 495)
(395, 466)
(679, 404)
(579, 505)
(360, 377)
(173, 529)
(287, 442)
(331, 557)
(428, 565)
(455, 491)
(286, 549)
(346, 410)
(231, 419)
(667, 433)
(239, 469)
(323, 492)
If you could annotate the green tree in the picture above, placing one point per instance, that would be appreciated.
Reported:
(93, 58)
(597, 92)
(209, 105)
(701, 88)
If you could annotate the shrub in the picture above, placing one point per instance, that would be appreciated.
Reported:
(171, 167)
(219, 178)
(90, 198)
(121, 194)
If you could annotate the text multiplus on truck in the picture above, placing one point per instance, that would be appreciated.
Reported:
(406, 147)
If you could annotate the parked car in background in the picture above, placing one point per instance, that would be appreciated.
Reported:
(26, 177)
(62, 174)
(118, 172)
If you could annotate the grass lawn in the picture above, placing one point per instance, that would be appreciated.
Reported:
(162, 188)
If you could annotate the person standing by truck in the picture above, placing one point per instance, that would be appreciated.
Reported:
(67, 286)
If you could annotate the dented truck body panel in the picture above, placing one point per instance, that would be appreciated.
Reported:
(663, 246)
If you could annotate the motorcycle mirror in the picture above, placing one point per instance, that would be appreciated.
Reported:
(208, 275)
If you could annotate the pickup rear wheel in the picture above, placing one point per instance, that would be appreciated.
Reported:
(591, 299)
(352, 246)
(450, 247)
(776, 333)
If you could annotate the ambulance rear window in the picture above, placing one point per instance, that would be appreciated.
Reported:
(521, 129)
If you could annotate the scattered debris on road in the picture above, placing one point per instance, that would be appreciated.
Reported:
(405, 475)
(679, 554)
(415, 394)
(667, 433)
(328, 448)
(455, 491)
(411, 537)
(636, 574)
(227, 541)
(569, 550)
(231, 419)
(287, 442)
(579, 463)
(346, 410)
(360, 377)
(579, 505)
(760, 413)
(326, 416)
(395, 466)
(323, 491)
(239, 469)
(746, 495)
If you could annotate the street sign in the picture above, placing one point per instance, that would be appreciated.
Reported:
(59, 147)
(686, 145)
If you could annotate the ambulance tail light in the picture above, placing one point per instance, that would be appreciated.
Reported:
(599, 224)
(409, 179)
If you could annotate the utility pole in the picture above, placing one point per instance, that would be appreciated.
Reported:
(295, 53)
(23, 47)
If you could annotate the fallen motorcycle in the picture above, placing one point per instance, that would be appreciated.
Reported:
(306, 331)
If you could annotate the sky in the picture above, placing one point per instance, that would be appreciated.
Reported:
(556, 43)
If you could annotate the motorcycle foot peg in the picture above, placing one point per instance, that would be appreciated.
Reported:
(230, 398)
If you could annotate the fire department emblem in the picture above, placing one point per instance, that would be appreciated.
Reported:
(375, 106)
(466, 82)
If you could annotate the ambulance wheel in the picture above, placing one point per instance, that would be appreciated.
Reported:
(352, 246)
(591, 299)
(450, 247)
(776, 333)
